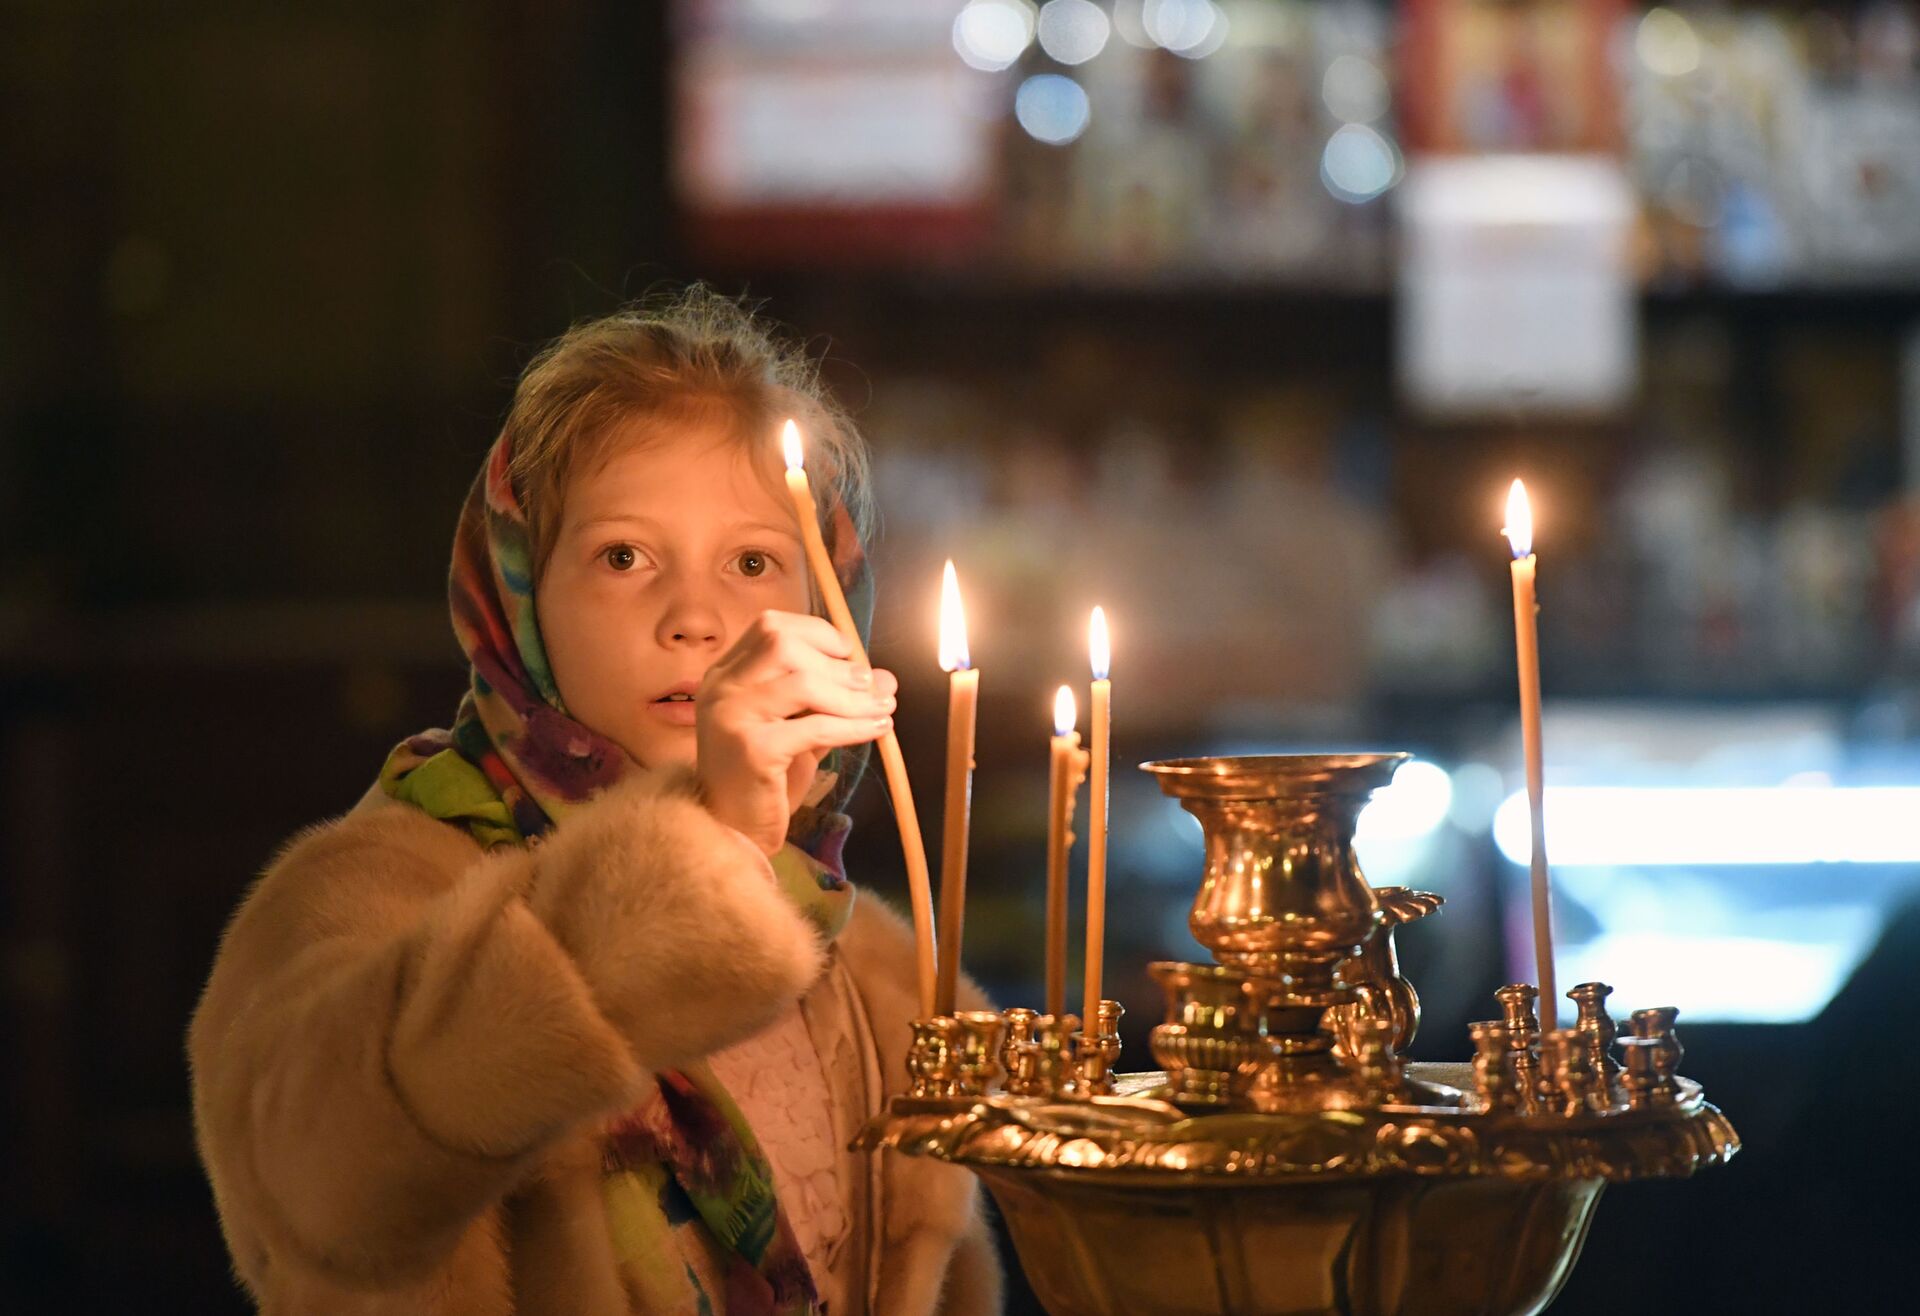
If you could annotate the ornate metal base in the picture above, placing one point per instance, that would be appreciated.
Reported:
(1396, 1247)
(1125, 1206)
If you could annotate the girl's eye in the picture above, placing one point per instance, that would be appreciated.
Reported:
(752, 563)
(621, 557)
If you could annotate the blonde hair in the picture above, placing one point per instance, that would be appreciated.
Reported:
(693, 356)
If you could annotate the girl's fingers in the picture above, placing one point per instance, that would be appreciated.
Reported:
(775, 666)
(822, 634)
(774, 637)
(820, 690)
(771, 629)
(823, 731)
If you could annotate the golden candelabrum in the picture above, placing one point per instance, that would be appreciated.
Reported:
(1286, 1157)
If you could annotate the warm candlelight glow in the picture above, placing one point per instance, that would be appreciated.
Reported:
(1526, 639)
(833, 599)
(1065, 711)
(1519, 527)
(1099, 648)
(954, 656)
(790, 445)
(963, 700)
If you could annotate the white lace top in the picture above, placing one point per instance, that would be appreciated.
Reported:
(778, 1081)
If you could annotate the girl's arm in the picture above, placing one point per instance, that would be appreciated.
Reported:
(395, 1030)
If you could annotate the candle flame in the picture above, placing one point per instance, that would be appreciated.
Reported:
(953, 624)
(790, 445)
(1099, 648)
(1519, 527)
(1065, 712)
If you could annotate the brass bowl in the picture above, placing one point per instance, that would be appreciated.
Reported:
(1383, 1247)
(1281, 894)
(1128, 1206)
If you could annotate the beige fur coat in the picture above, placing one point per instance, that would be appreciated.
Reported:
(407, 1046)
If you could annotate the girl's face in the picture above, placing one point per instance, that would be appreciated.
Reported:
(665, 553)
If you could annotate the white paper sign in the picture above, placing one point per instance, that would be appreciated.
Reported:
(1516, 291)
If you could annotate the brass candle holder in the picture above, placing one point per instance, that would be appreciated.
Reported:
(1287, 1157)
(1018, 1034)
(930, 1066)
(1042, 1065)
(1095, 1053)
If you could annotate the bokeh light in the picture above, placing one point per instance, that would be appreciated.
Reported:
(991, 34)
(1667, 44)
(1415, 804)
(1359, 164)
(1194, 28)
(1355, 90)
(1073, 31)
(1129, 21)
(1052, 107)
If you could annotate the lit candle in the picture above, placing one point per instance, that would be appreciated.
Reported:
(919, 887)
(1099, 652)
(963, 698)
(1526, 636)
(1069, 769)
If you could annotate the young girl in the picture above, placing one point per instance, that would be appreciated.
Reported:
(576, 1012)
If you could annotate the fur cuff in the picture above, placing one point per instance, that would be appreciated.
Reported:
(673, 918)
(497, 1045)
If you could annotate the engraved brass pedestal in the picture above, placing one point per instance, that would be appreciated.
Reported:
(1287, 1159)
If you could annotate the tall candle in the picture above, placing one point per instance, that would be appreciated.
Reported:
(1526, 636)
(1068, 770)
(1099, 653)
(963, 698)
(919, 887)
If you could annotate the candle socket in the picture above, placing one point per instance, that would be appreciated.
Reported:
(1577, 1087)
(1523, 1034)
(1653, 1054)
(976, 1038)
(1019, 1032)
(1096, 1052)
(1042, 1064)
(1497, 1085)
(1597, 1026)
(1378, 1073)
(930, 1059)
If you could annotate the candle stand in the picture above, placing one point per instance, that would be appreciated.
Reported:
(1286, 1157)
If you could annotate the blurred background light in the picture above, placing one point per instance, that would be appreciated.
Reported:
(1359, 164)
(1073, 31)
(1129, 21)
(1355, 89)
(1415, 804)
(1052, 107)
(1720, 826)
(1666, 43)
(1193, 28)
(991, 35)
(1723, 979)
(1478, 792)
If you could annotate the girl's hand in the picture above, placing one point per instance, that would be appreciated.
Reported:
(767, 712)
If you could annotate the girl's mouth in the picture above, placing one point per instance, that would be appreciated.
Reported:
(677, 708)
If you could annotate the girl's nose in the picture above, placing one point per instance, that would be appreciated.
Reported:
(690, 622)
